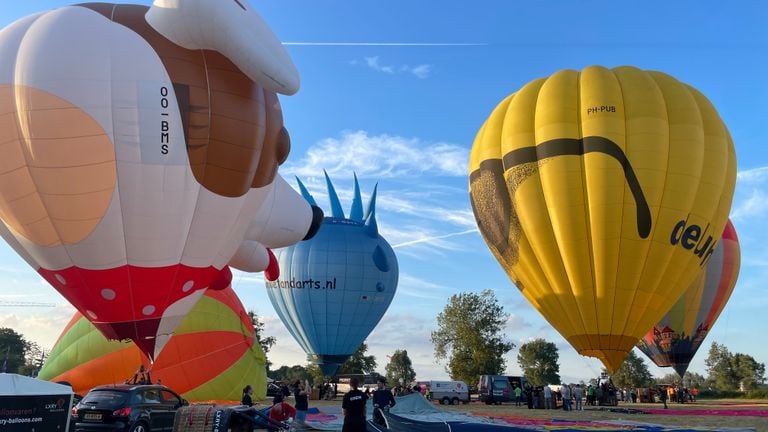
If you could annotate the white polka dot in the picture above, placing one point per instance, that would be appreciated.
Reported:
(91, 314)
(188, 286)
(108, 294)
(148, 310)
(61, 279)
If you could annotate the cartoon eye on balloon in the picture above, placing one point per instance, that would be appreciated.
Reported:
(139, 144)
(602, 193)
(692, 317)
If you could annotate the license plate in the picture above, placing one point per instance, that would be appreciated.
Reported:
(92, 416)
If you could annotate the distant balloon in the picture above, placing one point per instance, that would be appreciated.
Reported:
(676, 338)
(335, 288)
(139, 146)
(212, 356)
(602, 193)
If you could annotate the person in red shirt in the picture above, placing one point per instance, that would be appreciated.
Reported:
(281, 411)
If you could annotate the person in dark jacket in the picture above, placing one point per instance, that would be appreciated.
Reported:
(382, 401)
(301, 396)
(246, 399)
(353, 407)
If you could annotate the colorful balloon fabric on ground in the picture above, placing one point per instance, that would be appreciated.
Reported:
(137, 147)
(335, 288)
(676, 338)
(602, 193)
(212, 356)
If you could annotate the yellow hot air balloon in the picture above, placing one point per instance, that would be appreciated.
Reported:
(602, 193)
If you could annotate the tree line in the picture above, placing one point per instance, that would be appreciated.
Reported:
(470, 340)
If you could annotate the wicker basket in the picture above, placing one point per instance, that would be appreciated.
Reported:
(196, 418)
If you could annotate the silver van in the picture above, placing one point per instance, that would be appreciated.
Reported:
(448, 392)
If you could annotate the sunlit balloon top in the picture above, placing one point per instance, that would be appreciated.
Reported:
(602, 193)
(140, 148)
(335, 288)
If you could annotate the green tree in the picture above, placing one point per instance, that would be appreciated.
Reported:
(720, 368)
(633, 373)
(690, 380)
(400, 369)
(33, 360)
(729, 371)
(539, 361)
(748, 371)
(316, 376)
(469, 336)
(13, 350)
(265, 342)
(290, 374)
(359, 363)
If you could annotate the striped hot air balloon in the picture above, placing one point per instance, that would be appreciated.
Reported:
(212, 356)
(674, 340)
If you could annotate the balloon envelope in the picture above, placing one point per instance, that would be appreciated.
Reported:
(674, 340)
(602, 193)
(131, 166)
(334, 288)
(212, 356)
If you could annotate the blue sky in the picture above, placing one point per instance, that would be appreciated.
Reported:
(405, 116)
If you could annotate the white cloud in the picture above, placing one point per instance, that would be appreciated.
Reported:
(39, 325)
(380, 156)
(421, 71)
(750, 200)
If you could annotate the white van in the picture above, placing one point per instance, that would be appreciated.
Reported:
(449, 392)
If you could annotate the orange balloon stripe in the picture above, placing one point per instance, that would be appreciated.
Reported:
(219, 348)
(115, 367)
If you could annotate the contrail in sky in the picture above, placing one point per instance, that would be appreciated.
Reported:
(392, 44)
(428, 239)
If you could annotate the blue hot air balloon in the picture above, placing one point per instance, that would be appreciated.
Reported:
(334, 288)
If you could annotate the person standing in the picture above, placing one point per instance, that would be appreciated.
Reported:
(547, 397)
(518, 396)
(301, 397)
(382, 401)
(246, 399)
(353, 408)
(566, 392)
(663, 396)
(577, 395)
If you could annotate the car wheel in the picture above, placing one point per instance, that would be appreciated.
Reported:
(455, 401)
(139, 427)
(445, 401)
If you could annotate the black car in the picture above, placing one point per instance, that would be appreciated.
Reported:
(126, 408)
(273, 390)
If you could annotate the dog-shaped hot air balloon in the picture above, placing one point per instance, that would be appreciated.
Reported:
(139, 147)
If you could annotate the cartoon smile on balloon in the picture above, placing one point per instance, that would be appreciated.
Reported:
(139, 149)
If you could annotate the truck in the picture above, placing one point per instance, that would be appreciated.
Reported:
(448, 392)
(497, 389)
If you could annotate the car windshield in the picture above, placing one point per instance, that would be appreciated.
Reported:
(106, 399)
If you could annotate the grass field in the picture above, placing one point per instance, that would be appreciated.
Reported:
(692, 419)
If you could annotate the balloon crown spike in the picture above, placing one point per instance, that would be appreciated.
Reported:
(356, 214)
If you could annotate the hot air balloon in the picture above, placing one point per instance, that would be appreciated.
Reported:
(602, 193)
(693, 316)
(334, 288)
(212, 356)
(138, 145)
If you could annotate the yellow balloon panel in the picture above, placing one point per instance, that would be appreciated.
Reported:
(602, 194)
